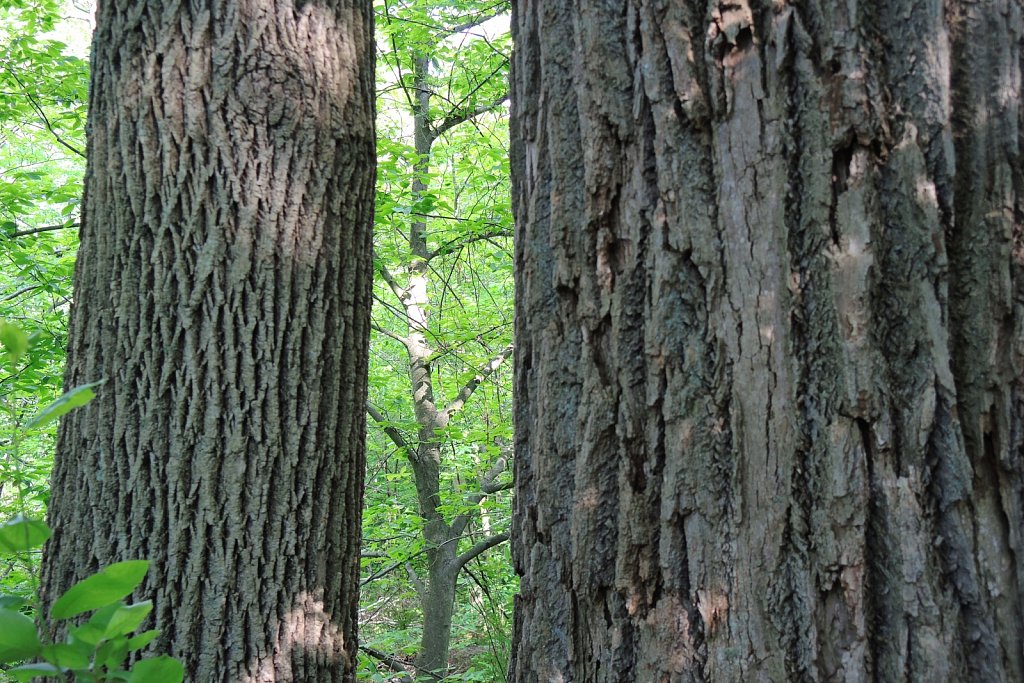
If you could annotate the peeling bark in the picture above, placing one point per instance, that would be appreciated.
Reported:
(770, 313)
(223, 291)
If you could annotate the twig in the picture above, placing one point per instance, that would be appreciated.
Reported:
(461, 116)
(42, 114)
(23, 290)
(391, 431)
(45, 228)
(388, 333)
(460, 242)
(392, 662)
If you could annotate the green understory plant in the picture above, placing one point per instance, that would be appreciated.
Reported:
(95, 649)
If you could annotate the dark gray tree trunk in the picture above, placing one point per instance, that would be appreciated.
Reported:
(223, 291)
(769, 341)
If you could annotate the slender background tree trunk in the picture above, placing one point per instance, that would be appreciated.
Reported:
(414, 287)
(769, 341)
(223, 291)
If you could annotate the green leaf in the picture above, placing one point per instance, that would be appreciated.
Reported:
(65, 656)
(87, 634)
(21, 534)
(162, 669)
(26, 672)
(75, 398)
(101, 617)
(127, 618)
(13, 340)
(111, 654)
(142, 640)
(109, 585)
(18, 639)
(11, 602)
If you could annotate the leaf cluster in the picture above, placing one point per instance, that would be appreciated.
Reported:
(94, 650)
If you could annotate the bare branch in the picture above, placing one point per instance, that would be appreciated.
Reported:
(45, 228)
(487, 484)
(23, 290)
(381, 572)
(503, 486)
(390, 568)
(467, 391)
(39, 110)
(394, 310)
(461, 116)
(387, 427)
(481, 547)
(392, 662)
(485, 16)
(459, 243)
(414, 579)
(388, 333)
(398, 666)
(388, 277)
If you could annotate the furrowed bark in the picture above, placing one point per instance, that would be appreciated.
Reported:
(769, 323)
(223, 291)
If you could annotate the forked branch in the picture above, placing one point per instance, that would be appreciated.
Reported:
(462, 115)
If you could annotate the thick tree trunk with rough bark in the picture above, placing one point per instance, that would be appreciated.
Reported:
(223, 291)
(769, 341)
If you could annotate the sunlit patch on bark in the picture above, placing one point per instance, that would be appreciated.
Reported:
(308, 632)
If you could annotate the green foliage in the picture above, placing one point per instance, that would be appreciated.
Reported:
(458, 195)
(21, 534)
(43, 87)
(95, 650)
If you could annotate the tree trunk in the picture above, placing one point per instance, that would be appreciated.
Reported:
(438, 607)
(432, 414)
(223, 291)
(769, 341)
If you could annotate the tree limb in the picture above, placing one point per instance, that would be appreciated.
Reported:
(467, 391)
(388, 333)
(390, 430)
(388, 277)
(487, 486)
(414, 579)
(381, 572)
(481, 547)
(461, 116)
(485, 16)
(23, 290)
(392, 662)
(45, 228)
(42, 115)
(459, 243)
